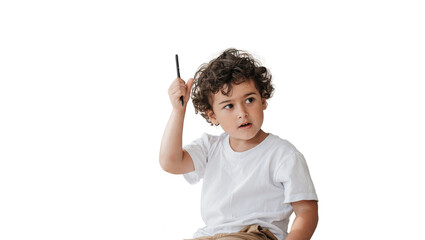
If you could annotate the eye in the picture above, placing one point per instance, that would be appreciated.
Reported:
(249, 100)
(228, 106)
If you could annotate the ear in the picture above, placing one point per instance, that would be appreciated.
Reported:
(264, 103)
(212, 117)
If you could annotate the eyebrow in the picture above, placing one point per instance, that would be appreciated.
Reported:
(244, 96)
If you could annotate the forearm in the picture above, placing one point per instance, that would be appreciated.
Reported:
(302, 229)
(171, 155)
(171, 144)
(305, 221)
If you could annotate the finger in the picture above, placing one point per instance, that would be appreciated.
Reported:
(179, 81)
(188, 88)
(177, 90)
(189, 84)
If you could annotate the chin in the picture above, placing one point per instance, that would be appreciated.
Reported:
(248, 135)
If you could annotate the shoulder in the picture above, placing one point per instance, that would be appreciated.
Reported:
(283, 154)
(211, 139)
(281, 145)
(208, 140)
(204, 147)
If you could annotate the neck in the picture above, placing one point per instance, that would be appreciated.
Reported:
(241, 145)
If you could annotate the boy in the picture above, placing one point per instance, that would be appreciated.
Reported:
(252, 180)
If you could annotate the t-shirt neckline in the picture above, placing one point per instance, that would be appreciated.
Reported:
(235, 154)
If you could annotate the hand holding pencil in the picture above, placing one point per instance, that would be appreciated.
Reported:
(179, 91)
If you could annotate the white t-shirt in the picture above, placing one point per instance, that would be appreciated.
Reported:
(251, 187)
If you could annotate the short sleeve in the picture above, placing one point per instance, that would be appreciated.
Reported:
(198, 151)
(293, 173)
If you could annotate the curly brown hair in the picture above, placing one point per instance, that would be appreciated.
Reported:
(231, 67)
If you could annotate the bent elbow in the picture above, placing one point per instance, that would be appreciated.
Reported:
(163, 164)
(167, 165)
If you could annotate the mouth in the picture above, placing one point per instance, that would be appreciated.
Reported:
(245, 125)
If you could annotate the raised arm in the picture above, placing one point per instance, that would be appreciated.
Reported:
(172, 157)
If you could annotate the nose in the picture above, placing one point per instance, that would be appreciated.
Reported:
(242, 112)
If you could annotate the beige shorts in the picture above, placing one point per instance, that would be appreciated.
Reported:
(252, 232)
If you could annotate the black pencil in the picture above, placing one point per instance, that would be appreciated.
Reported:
(178, 75)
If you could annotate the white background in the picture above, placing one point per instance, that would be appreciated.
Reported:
(83, 104)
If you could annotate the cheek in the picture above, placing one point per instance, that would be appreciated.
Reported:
(223, 117)
(259, 114)
(227, 120)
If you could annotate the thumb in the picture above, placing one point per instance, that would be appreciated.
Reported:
(188, 88)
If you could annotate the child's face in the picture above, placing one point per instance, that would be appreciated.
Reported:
(241, 113)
